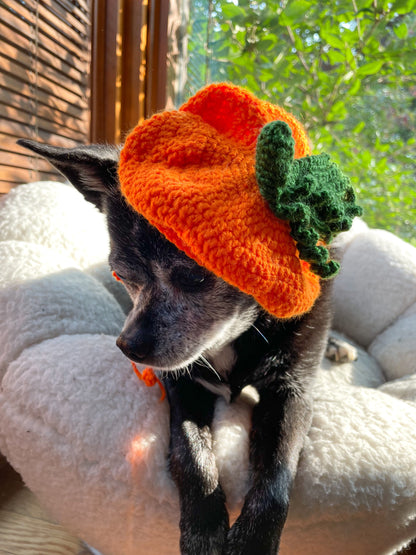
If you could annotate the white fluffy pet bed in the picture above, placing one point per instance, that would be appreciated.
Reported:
(91, 440)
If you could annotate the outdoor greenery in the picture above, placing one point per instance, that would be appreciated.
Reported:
(346, 68)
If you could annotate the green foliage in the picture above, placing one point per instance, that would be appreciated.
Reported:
(346, 69)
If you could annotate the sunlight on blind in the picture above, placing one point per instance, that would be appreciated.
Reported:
(44, 81)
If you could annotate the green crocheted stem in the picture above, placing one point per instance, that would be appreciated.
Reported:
(311, 193)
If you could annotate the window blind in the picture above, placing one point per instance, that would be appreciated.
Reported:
(45, 58)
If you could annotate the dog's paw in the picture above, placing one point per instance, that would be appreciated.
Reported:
(202, 545)
(204, 528)
(340, 351)
(250, 537)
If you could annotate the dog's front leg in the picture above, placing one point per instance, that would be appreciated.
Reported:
(204, 518)
(281, 420)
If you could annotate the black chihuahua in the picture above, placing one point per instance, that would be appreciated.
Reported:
(209, 339)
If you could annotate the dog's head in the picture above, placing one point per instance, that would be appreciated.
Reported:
(181, 311)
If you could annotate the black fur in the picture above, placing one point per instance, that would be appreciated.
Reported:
(279, 358)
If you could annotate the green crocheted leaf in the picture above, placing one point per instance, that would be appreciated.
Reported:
(274, 159)
(311, 193)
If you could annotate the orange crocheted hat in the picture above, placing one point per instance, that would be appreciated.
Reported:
(192, 174)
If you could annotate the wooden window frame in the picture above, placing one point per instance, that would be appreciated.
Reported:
(103, 70)
(128, 73)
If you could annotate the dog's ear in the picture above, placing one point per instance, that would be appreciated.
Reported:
(92, 169)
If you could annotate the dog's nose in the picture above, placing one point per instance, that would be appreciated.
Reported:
(136, 349)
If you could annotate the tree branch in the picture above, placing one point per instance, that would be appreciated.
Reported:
(298, 54)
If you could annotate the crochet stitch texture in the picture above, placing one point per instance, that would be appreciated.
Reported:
(311, 193)
(192, 174)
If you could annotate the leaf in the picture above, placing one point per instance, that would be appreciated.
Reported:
(358, 128)
(231, 11)
(338, 108)
(401, 31)
(333, 40)
(267, 43)
(355, 87)
(294, 11)
(403, 6)
(336, 57)
(370, 68)
(251, 82)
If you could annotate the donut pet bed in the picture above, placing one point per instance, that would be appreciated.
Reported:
(91, 440)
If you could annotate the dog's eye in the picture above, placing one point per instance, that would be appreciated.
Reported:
(190, 280)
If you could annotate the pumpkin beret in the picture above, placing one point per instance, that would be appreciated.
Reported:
(229, 180)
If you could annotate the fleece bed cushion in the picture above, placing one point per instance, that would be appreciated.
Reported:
(91, 441)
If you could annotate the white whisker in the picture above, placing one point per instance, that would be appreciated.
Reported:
(259, 332)
(209, 365)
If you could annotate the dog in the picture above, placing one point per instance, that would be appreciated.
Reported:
(207, 339)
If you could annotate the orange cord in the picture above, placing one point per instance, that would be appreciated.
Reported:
(149, 378)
